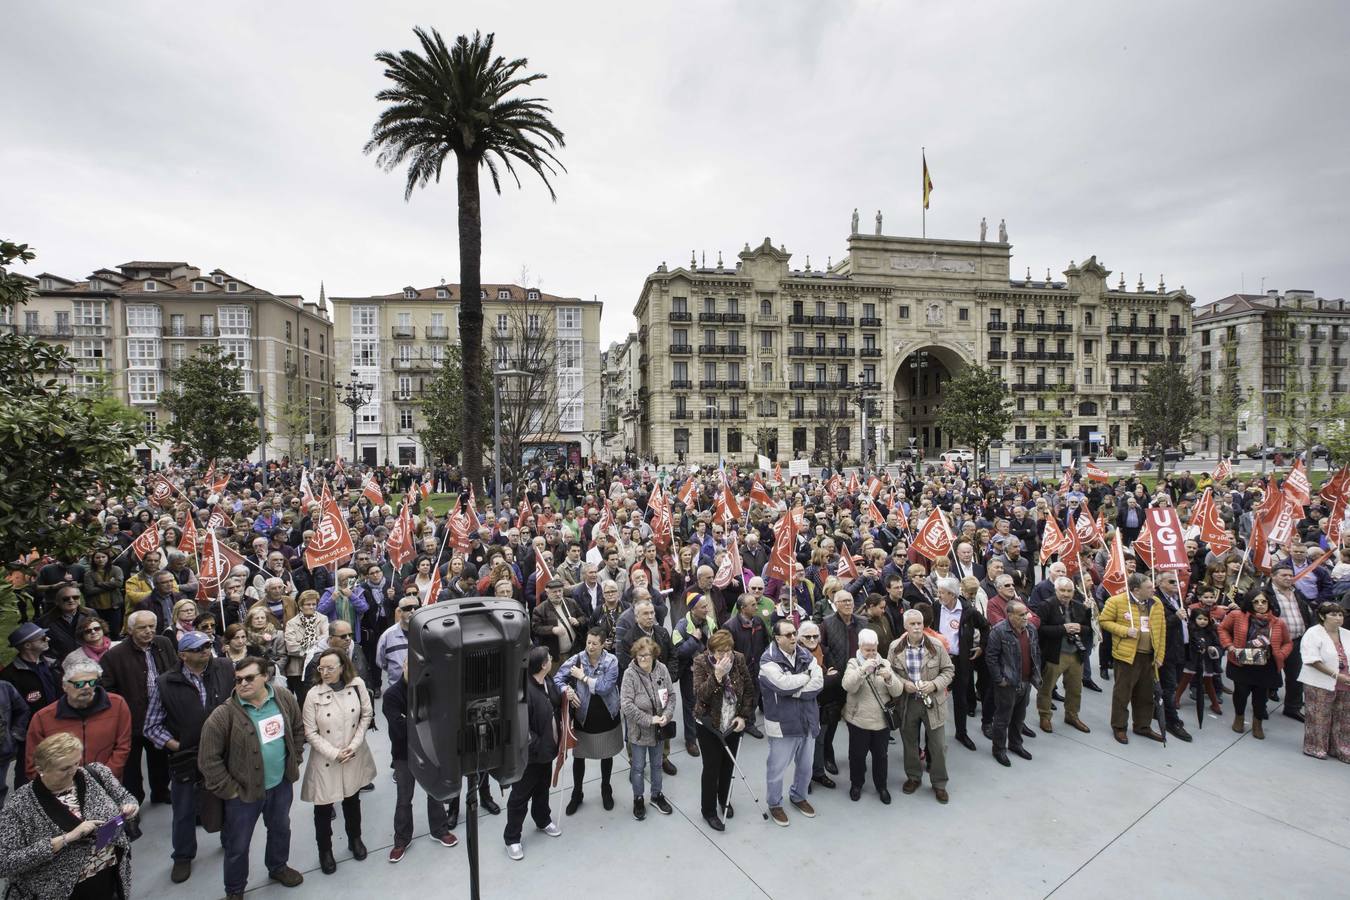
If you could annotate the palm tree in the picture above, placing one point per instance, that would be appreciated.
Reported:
(454, 100)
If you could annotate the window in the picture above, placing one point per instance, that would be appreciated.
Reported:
(404, 320)
(502, 355)
(32, 322)
(766, 372)
(405, 419)
(1204, 338)
(569, 321)
(532, 324)
(680, 337)
(407, 454)
(962, 314)
(438, 320)
(765, 308)
(1021, 404)
(1040, 317)
(437, 353)
(143, 320)
(709, 304)
(869, 374)
(841, 309)
(820, 307)
(143, 387)
(681, 441)
(1087, 317)
(305, 342)
(733, 305)
(1087, 375)
(679, 304)
(88, 315)
(903, 310)
(151, 286)
(442, 294)
(798, 339)
(410, 293)
(680, 371)
(88, 353)
(710, 371)
(531, 294)
(218, 279)
(501, 324)
(1089, 346)
(995, 315)
(288, 331)
(1152, 320)
(870, 341)
(820, 340)
(234, 320)
(177, 327)
(733, 441)
(198, 287)
(869, 310)
(766, 340)
(503, 293)
(1059, 317)
(710, 440)
(232, 287)
(151, 421)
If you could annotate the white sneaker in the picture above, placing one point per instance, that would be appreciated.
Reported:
(552, 830)
(515, 851)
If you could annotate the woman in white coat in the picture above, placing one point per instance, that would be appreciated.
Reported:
(1326, 680)
(337, 714)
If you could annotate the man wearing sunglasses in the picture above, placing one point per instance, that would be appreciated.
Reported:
(249, 756)
(789, 680)
(392, 653)
(101, 720)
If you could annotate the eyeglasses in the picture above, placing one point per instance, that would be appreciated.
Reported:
(408, 607)
(788, 634)
(83, 683)
(93, 629)
(810, 637)
(245, 679)
(329, 670)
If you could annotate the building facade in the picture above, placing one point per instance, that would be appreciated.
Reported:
(133, 325)
(397, 343)
(1272, 368)
(621, 396)
(762, 358)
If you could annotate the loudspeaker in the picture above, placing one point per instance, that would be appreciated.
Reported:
(466, 692)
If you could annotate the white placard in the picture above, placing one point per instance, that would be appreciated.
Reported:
(763, 462)
(799, 468)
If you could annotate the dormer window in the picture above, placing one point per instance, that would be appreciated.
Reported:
(410, 293)
(482, 295)
(532, 295)
(198, 287)
(44, 284)
(218, 279)
(94, 284)
(232, 287)
(442, 293)
(151, 286)
(503, 294)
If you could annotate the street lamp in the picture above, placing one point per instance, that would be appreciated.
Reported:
(591, 438)
(355, 394)
(497, 432)
(918, 364)
(861, 391)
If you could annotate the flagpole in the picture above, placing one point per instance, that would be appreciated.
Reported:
(923, 187)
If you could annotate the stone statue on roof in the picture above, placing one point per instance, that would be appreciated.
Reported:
(855, 221)
(1002, 231)
(878, 221)
(984, 228)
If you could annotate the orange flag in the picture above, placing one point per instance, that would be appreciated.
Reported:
(331, 540)
(1114, 577)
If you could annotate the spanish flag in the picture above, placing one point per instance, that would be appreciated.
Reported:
(927, 182)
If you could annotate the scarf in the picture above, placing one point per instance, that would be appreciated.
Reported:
(728, 690)
(309, 629)
(96, 651)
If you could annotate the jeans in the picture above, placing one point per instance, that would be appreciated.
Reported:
(644, 759)
(783, 751)
(1293, 688)
(1010, 714)
(183, 796)
(240, 820)
(404, 783)
(156, 760)
(530, 792)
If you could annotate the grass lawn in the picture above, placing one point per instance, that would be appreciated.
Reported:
(1150, 480)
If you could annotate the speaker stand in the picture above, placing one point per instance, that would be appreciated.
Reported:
(471, 821)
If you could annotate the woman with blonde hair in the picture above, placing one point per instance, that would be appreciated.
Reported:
(304, 632)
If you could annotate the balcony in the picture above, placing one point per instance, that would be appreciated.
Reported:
(1178, 331)
(848, 352)
(768, 319)
(1135, 357)
(403, 332)
(733, 385)
(798, 415)
(819, 385)
(1042, 327)
(870, 322)
(869, 352)
(717, 415)
(1046, 355)
(413, 363)
(1117, 388)
(998, 325)
(843, 321)
(681, 415)
(681, 385)
(193, 331)
(408, 396)
(680, 316)
(997, 354)
(1066, 387)
(1146, 330)
(709, 384)
(438, 332)
(681, 349)
(723, 349)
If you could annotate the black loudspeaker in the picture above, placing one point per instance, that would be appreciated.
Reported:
(466, 693)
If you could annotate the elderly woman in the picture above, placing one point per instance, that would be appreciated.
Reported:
(724, 701)
(47, 828)
(337, 714)
(265, 638)
(590, 680)
(870, 686)
(275, 565)
(1257, 643)
(1326, 680)
(346, 601)
(306, 631)
(94, 640)
(180, 620)
(647, 699)
(182, 572)
(925, 670)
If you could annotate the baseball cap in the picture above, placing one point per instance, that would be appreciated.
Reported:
(193, 640)
(24, 633)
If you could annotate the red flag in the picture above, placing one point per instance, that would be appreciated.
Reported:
(567, 739)
(874, 487)
(871, 510)
(726, 506)
(1067, 481)
(899, 510)
(933, 539)
(1168, 545)
(1095, 472)
(949, 466)
(688, 493)
(1086, 528)
(1052, 540)
(1283, 516)
(836, 486)
(783, 558)
(218, 560)
(147, 541)
(161, 490)
(524, 513)
(216, 519)
(371, 490)
(434, 589)
(853, 486)
(306, 492)
(424, 488)
(848, 568)
(542, 576)
(188, 542)
(399, 545)
(1212, 532)
(331, 540)
(1337, 486)
(1223, 470)
(458, 523)
(1336, 521)
(215, 485)
(1114, 577)
(604, 523)
(730, 568)
(1296, 486)
(778, 472)
(1143, 547)
(758, 493)
(663, 526)
(471, 512)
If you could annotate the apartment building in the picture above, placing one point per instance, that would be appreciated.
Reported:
(132, 326)
(397, 343)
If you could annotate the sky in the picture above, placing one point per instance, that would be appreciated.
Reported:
(1200, 141)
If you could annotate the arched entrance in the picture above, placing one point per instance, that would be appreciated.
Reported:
(918, 384)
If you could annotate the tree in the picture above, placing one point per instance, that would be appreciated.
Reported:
(443, 407)
(1306, 408)
(976, 410)
(57, 445)
(1337, 439)
(1166, 411)
(1221, 410)
(212, 418)
(532, 403)
(454, 101)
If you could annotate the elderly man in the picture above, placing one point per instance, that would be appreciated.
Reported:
(99, 719)
(1138, 628)
(162, 598)
(65, 620)
(1016, 564)
(587, 595)
(926, 671)
(1176, 618)
(789, 680)
(1044, 591)
(839, 641)
(751, 640)
(141, 584)
(559, 623)
(249, 756)
(1014, 660)
(35, 677)
(1293, 609)
(180, 701)
(966, 632)
(690, 638)
(128, 670)
(1065, 634)
(391, 654)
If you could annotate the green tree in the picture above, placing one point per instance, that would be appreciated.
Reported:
(212, 418)
(443, 407)
(976, 410)
(454, 101)
(1337, 439)
(1166, 411)
(1220, 410)
(57, 445)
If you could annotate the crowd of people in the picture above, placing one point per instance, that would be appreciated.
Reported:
(210, 647)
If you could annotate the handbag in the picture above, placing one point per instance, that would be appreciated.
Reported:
(663, 732)
(1254, 654)
(889, 714)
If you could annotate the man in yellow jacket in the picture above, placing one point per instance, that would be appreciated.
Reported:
(1138, 628)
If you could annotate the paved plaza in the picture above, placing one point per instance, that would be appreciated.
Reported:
(1086, 818)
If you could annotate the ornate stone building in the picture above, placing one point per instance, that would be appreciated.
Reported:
(759, 357)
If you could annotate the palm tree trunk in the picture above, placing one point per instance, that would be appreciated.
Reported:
(471, 316)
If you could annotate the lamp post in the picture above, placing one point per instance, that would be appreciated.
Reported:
(497, 433)
(591, 437)
(355, 394)
(861, 393)
(918, 364)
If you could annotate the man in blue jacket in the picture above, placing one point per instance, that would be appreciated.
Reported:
(789, 680)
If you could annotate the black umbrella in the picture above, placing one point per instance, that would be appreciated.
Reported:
(1159, 715)
(1200, 703)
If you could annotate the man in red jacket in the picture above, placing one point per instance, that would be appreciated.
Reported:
(100, 719)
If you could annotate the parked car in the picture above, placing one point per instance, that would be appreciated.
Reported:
(958, 455)
(1171, 454)
(1038, 456)
(1319, 451)
(1270, 452)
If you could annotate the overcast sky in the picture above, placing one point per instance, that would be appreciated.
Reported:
(1203, 141)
